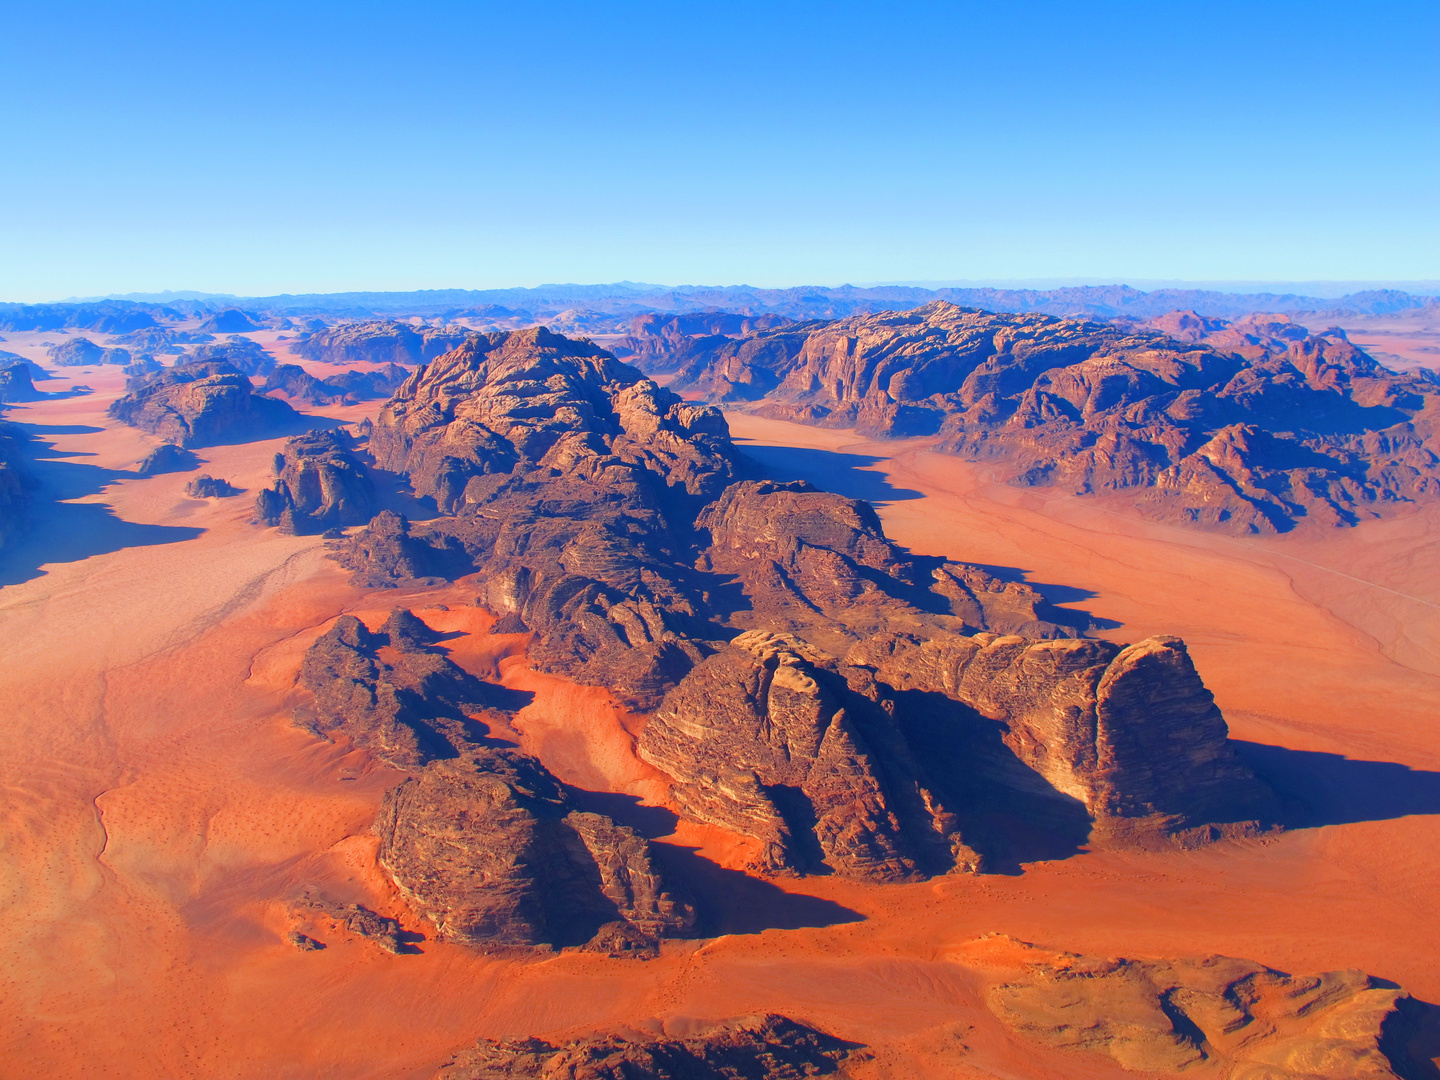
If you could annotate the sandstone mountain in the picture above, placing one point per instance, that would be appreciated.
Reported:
(761, 1047)
(242, 353)
(320, 483)
(202, 404)
(82, 352)
(167, 458)
(851, 708)
(348, 387)
(1212, 1017)
(1247, 427)
(230, 321)
(658, 343)
(379, 342)
(17, 385)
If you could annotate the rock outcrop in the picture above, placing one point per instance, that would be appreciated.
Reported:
(202, 405)
(1210, 1017)
(350, 386)
(379, 342)
(760, 1047)
(205, 486)
(392, 692)
(241, 353)
(230, 321)
(321, 483)
(1246, 427)
(167, 458)
(17, 481)
(16, 384)
(488, 849)
(658, 343)
(82, 352)
(799, 665)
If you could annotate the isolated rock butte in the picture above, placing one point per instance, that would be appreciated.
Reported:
(241, 353)
(488, 849)
(230, 321)
(1247, 427)
(321, 483)
(379, 342)
(167, 458)
(761, 1047)
(82, 352)
(16, 384)
(205, 486)
(1210, 1017)
(299, 385)
(607, 517)
(202, 405)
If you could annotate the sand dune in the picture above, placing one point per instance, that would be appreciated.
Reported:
(160, 806)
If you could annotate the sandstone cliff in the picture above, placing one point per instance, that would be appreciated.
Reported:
(82, 352)
(351, 386)
(16, 384)
(241, 353)
(658, 343)
(1247, 427)
(202, 405)
(320, 483)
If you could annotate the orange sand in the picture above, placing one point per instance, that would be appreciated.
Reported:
(159, 805)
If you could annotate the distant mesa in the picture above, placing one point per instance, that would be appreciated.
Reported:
(1247, 427)
(760, 1047)
(162, 340)
(230, 321)
(109, 317)
(205, 486)
(168, 458)
(241, 353)
(659, 344)
(202, 404)
(320, 484)
(82, 352)
(379, 342)
(1209, 1017)
(347, 387)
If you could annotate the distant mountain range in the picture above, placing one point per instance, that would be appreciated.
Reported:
(628, 298)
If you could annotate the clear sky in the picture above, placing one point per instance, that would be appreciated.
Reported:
(261, 147)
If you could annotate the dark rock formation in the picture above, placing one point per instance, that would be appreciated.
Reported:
(1211, 1017)
(208, 487)
(321, 483)
(354, 918)
(82, 352)
(1248, 427)
(230, 321)
(299, 385)
(379, 342)
(761, 1047)
(167, 458)
(658, 343)
(387, 555)
(140, 367)
(391, 692)
(869, 718)
(16, 385)
(304, 942)
(17, 481)
(202, 405)
(241, 353)
(488, 849)
(36, 371)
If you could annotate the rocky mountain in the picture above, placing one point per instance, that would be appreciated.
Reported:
(349, 386)
(206, 486)
(1208, 1017)
(17, 481)
(242, 353)
(760, 1047)
(82, 352)
(379, 342)
(850, 708)
(1249, 426)
(658, 344)
(320, 483)
(109, 317)
(161, 340)
(16, 384)
(230, 321)
(167, 458)
(202, 404)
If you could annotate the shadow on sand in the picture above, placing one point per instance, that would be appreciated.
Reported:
(61, 531)
(1330, 789)
(829, 470)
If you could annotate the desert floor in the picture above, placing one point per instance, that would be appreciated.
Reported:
(161, 809)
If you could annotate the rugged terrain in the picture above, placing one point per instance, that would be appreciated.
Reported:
(202, 404)
(1247, 427)
(379, 341)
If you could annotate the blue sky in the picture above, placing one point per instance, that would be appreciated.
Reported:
(264, 147)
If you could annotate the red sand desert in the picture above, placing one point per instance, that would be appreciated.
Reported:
(160, 805)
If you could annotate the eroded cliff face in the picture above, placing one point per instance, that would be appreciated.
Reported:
(320, 483)
(378, 341)
(798, 664)
(1248, 427)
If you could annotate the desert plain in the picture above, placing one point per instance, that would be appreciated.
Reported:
(160, 805)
